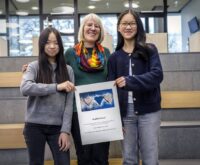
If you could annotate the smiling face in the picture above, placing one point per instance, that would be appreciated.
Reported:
(128, 27)
(91, 32)
(52, 47)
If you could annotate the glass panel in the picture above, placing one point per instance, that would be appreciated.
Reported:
(117, 6)
(58, 7)
(22, 31)
(65, 26)
(151, 25)
(174, 33)
(3, 38)
(2, 26)
(68, 42)
(25, 8)
(144, 23)
(2, 7)
(110, 26)
(3, 46)
(156, 25)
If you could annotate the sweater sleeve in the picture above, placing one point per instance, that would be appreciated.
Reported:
(149, 80)
(29, 87)
(67, 117)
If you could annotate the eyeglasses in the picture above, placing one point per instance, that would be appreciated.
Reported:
(126, 24)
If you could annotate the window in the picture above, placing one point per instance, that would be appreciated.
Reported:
(23, 26)
(156, 25)
(110, 26)
(22, 31)
(174, 33)
(2, 26)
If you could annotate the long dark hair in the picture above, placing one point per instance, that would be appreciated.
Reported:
(141, 48)
(45, 70)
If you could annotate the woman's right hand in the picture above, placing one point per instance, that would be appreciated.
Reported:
(120, 82)
(24, 68)
(66, 86)
(64, 141)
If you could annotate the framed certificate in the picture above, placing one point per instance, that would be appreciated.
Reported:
(98, 113)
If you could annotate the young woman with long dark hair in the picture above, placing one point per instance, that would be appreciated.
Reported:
(135, 66)
(48, 83)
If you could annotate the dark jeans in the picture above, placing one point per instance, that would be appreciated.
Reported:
(36, 136)
(93, 154)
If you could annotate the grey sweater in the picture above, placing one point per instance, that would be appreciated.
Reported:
(45, 105)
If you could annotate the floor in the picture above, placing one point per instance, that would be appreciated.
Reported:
(180, 162)
(162, 162)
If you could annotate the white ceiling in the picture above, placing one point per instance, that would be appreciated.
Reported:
(102, 6)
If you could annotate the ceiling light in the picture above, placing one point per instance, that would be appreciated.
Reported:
(91, 7)
(63, 10)
(34, 8)
(175, 3)
(134, 4)
(126, 4)
(1, 11)
(23, 1)
(22, 12)
(107, 4)
(95, 0)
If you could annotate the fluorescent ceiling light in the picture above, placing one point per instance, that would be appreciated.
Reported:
(175, 3)
(91, 7)
(22, 12)
(95, 0)
(126, 4)
(23, 1)
(34, 8)
(63, 10)
(134, 4)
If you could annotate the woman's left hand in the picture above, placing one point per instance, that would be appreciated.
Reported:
(64, 141)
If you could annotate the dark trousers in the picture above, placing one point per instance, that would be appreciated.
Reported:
(36, 136)
(93, 154)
